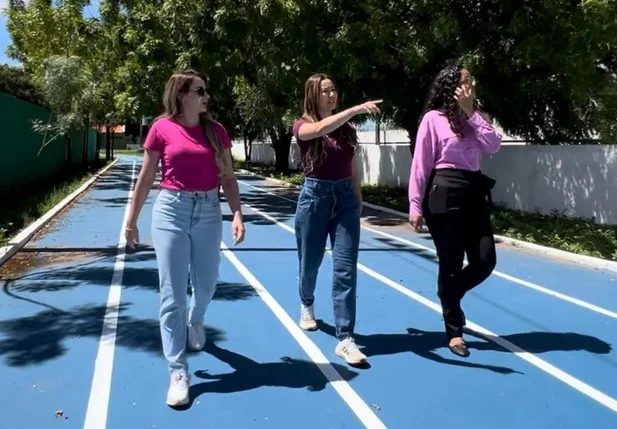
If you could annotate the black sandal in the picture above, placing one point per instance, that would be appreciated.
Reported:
(459, 349)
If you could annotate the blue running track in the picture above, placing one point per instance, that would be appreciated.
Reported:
(80, 344)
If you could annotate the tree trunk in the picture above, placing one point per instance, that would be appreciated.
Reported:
(113, 143)
(97, 155)
(68, 156)
(247, 148)
(84, 148)
(281, 143)
(107, 143)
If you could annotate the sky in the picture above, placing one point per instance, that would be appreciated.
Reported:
(5, 39)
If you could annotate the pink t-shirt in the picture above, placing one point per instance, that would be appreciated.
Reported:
(187, 157)
(438, 147)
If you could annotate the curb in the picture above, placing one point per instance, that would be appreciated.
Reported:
(22, 237)
(587, 261)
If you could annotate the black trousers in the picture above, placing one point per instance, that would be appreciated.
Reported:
(457, 214)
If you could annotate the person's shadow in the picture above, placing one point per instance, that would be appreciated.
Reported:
(248, 374)
(425, 343)
(421, 343)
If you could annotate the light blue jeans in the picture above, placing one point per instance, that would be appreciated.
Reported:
(187, 234)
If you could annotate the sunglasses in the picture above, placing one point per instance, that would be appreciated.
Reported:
(201, 91)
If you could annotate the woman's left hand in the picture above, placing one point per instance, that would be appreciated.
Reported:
(237, 229)
(464, 97)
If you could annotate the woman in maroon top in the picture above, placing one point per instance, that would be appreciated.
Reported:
(330, 204)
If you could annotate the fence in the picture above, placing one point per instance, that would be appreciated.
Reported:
(19, 145)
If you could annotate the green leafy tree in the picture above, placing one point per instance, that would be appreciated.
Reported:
(63, 84)
(545, 68)
(54, 43)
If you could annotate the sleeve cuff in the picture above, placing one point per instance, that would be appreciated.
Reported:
(414, 211)
(476, 119)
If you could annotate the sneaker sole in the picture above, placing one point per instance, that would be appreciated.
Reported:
(309, 327)
(178, 404)
(196, 349)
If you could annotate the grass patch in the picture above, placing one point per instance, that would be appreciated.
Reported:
(36, 199)
(140, 152)
(581, 236)
(293, 177)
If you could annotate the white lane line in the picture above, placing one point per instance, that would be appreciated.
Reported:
(525, 283)
(552, 370)
(353, 400)
(98, 404)
(513, 279)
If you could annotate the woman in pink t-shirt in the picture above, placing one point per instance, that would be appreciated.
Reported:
(329, 205)
(447, 188)
(194, 152)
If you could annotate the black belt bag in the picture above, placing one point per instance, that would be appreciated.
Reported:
(455, 190)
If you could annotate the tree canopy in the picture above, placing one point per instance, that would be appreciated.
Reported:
(546, 69)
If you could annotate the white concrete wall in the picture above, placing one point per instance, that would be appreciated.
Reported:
(577, 180)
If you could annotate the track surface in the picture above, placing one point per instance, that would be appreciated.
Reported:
(542, 353)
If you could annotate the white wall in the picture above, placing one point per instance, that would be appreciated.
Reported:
(578, 180)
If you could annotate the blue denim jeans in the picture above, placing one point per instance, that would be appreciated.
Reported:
(187, 234)
(330, 209)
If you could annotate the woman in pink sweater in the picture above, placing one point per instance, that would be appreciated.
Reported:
(447, 188)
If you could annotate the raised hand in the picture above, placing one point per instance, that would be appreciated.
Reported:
(464, 97)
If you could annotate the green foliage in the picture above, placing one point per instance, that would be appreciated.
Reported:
(38, 198)
(63, 84)
(18, 83)
(546, 69)
(41, 29)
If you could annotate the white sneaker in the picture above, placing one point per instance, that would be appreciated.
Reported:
(307, 318)
(178, 393)
(348, 350)
(197, 336)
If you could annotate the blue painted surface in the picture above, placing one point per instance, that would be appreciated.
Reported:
(51, 312)
(255, 374)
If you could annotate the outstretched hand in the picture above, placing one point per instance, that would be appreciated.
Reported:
(369, 107)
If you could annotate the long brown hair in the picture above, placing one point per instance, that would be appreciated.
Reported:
(179, 84)
(316, 153)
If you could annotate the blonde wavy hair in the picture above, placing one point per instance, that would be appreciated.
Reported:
(179, 84)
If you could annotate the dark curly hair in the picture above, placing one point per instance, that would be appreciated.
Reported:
(441, 95)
